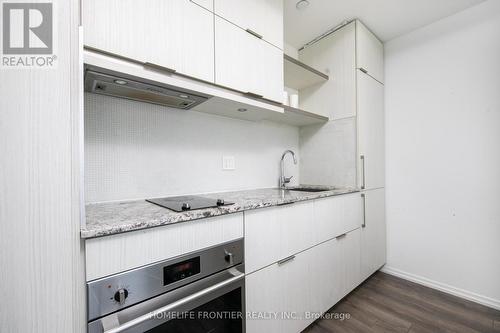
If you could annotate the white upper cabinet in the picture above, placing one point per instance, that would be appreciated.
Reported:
(373, 232)
(176, 34)
(334, 55)
(208, 4)
(371, 132)
(246, 63)
(370, 52)
(261, 17)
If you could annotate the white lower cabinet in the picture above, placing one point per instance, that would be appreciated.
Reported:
(274, 233)
(373, 232)
(286, 296)
(337, 215)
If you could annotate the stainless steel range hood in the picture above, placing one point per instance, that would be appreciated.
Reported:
(117, 86)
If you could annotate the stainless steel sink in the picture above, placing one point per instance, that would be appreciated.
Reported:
(310, 189)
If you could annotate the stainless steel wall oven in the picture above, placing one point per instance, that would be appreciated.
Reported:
(200, 292)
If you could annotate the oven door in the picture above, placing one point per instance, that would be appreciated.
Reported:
(213, 304)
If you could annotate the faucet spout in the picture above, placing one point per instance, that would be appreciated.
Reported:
(285, 180)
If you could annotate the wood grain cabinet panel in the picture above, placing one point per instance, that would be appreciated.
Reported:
(274, 233)
(371, 139)
(208, 4)
(176, 34)
(373, 234)
(117, 253)
(337, 215)
(246, 63)
(369, 52)
(264, 17)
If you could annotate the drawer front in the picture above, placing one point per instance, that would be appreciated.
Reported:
(337, 215)
(280, 289)
(113, 254)
(272, 234)
(264, 17)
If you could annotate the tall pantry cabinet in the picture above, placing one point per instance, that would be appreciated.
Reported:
(354, 101)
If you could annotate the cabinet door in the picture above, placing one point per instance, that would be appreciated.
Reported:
(350, 254)
(264, 17)
(370, 52)
(274, 233)
(373, 233)
(335, 55)
(336, 215)
(280, 289)
(371, 132)
(246, 63)
(327, 273)
(264, 294)
(176, 34)
(208, 4)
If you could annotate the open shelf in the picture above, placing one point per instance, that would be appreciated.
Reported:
(297, 117)
(299, 75)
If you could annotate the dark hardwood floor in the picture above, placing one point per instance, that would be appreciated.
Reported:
(385, 303)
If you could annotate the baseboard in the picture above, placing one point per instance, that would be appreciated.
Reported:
(483, 300)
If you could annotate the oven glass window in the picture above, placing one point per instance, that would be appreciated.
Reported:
(221, 315)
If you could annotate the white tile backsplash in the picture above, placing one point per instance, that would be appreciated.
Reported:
(138, 150)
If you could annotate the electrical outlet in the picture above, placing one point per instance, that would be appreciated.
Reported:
(228, 163)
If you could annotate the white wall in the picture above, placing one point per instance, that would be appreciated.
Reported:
(42, 282)
(136, 150)
(443, 154)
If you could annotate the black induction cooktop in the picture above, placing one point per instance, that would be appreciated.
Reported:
(188, 202)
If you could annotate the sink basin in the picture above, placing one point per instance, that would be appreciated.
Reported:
(310, 189)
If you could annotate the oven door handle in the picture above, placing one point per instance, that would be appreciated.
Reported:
(171, 306)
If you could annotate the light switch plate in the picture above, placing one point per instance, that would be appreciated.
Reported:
(228, 163)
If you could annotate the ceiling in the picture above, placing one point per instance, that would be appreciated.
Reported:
(386, 18)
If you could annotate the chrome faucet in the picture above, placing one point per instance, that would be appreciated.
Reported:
(285, 180)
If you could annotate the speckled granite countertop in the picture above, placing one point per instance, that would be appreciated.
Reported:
(116, 217)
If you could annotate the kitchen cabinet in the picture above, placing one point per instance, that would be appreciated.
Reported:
(282, 289)
(274, 233)
(371, 170)
(311, 281)
(369, 53)
(373, 232)
(292, 228)
(350, 254)
(261, 17)
(176, 34)
(208, 4)
(336, 56)
(337, 215)
(246, 63)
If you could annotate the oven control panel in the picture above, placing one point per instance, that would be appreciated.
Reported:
(124, 289)
(181, 270)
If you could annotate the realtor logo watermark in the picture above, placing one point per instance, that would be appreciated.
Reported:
(28, 35)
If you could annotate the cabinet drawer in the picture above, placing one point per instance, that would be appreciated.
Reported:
(177, 34)
(337, 215)
(272, 234)
(117, 253)
(281, 289)
(246, 63)
(264, 17)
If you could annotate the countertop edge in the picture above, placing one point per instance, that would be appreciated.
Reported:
(104, 231)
